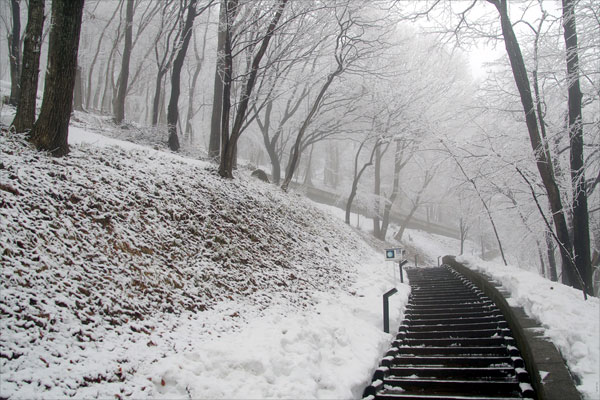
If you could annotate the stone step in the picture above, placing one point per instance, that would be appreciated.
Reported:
(457, 308)
(456, 350)
(438, 334)
(504, 387)
(470, 314)
(454, 342)
(453, 321)
(493, 324)
(459, 373)
(457, 361)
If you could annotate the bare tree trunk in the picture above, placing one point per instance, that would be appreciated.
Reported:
(78, 90)
(93, 63)
(96, 101)
(551, 258)
(581, 229)
(173, 109)
(157, 96)
(119, 105)
(191, 112)
(543, 161)
(295, 155)
(14, 54)
(230, 12)
(214, 145)
(25, 117)
(50, 132)
(541, 256)
(271, 143)
(464, 229)
(399, 163)
(416, 204)
(377, 193)
(229, 151)
(108, 82)
(308, 174)
(358, 174)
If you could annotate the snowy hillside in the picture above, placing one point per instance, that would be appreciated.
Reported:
(131, 272)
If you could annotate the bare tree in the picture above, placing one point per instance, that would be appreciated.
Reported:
(14, 46)
(417, 201)
(96, 54)
(192, 110)
(182, 46)
(401, 158)
(25, 116)
(229, 141)
(214, 146)
(358, 173)
(50, 132)
(342, 55)
(169, 20)
(544, 163)
(581, 230)
(119, 103)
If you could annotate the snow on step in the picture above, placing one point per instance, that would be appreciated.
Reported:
(453, 344)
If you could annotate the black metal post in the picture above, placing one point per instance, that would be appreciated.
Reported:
(400, 264)
(386, 309)
(416, 261)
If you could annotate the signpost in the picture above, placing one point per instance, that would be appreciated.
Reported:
(396, 254)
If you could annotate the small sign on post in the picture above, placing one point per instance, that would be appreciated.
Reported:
(396, 254)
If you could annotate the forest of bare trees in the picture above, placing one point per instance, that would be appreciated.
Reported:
(382, 103)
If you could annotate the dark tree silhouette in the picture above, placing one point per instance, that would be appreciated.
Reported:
(581, 229)
(25, 116)
(50, 132)
(119, 107)
(15, 52)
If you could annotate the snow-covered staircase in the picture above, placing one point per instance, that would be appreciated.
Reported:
(453, 344)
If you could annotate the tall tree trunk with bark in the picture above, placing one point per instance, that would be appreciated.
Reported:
(358, 174)
(377, 193)
(78, 91)
(295, 156)
(214, 145)
(14, 54)
(157, 95)
(308, 173)
(173, 109)
(464, 230)
(416, 204)
(119, 107)
(88, 97)
(270, 142)
(551, 258)
(399, 163)
(229, 149)
(543, 160)
(581, 229)
(25, 117)
(50, 132)
(191, 110)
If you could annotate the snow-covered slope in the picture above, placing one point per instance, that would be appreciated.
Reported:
(128, 272)
(132, 272)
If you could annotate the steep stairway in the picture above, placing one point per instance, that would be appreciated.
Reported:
(453, 344)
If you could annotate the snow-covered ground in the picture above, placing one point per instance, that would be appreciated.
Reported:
(132, 272)
(128, 271)
(569, 321)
